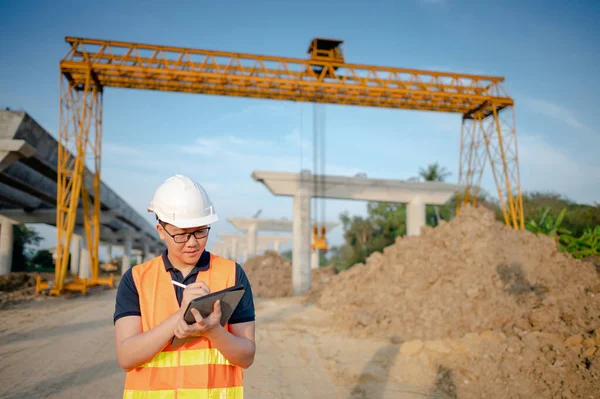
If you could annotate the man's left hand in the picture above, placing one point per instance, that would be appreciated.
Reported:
(203, 326)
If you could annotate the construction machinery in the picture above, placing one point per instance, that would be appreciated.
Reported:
(488, 132)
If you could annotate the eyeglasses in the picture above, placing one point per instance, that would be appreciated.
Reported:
(184, 237)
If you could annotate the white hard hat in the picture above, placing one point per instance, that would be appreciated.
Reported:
(182, 202)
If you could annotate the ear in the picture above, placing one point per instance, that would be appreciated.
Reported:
(161, 233)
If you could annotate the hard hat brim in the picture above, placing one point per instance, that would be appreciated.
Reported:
(188, 223)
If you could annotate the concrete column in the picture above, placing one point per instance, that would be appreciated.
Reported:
(108, 253)
(85, 270)
(415, 217)
(146, 256)
(125, 260)
(6, 246)
(252, 240)
(276, 246)
(301, 274)
(75, 253)
(140, 259)
(234, 250)
(314, 258)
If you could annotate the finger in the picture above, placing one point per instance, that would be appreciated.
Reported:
(196, 291)
(217, 308)
(197, 315)
(199, 284)
(178, 333)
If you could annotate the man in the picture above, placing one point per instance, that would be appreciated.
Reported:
(149, 308)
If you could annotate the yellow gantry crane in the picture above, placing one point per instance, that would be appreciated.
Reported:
(488, 127)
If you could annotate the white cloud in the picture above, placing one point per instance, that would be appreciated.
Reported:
(109, 148)
(558, 113)
(203, 146)
(546, 168)
(221, 145)
(251, 111)
(251, 155)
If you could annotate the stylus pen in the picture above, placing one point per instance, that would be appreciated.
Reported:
(178, 284)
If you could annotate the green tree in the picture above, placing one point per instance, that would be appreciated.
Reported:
(363, 236)
(43, 259)
(577, 218)
(287, 254)
(23, 239)
(434, 172)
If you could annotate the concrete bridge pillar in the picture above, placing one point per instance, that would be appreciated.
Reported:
(252, 233)
(225, 250)
(126, 259)
(146, 255)
(314, 258)
(6, 245)
(85, 270)
(75, 254)
(234, 251)
(108, 253)
(301, 272)
(415, 217)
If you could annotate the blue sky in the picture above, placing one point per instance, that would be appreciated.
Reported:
(548, 54)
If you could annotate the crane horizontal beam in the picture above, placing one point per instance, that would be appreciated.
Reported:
(151, 67)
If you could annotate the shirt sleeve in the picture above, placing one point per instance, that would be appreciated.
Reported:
(244, 312)
(128, 300)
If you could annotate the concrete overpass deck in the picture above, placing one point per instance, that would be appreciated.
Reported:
(301, 186)
(28, 187)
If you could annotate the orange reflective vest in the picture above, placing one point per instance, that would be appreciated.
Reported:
(193, 370)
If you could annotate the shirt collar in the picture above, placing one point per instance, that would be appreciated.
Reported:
(202, 265)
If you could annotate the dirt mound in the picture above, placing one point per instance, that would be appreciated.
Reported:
(471, 275)
(16, 287)
(270, 275)
(16, 281)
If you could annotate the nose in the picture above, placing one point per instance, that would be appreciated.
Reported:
(192, 242)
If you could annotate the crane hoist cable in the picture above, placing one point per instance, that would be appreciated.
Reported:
(315, 194)
(322, 186)
(319, 177)
(301, 134)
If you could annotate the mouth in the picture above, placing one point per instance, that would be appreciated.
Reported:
(192, 253)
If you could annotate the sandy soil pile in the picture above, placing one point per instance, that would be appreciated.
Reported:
(15, 287)
(271, 276)
(492, 304)
(16, 281)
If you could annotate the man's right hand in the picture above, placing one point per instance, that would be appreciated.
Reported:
(193, 291)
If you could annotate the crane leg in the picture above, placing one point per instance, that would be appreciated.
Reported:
(80, 109)
(501, 143)
(472, 162)
(491, 135)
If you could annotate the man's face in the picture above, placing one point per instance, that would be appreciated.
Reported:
(187, 252)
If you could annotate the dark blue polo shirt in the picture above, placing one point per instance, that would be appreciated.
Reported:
(128, 301)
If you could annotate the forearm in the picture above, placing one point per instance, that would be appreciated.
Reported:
(237, 350)
(138, 349)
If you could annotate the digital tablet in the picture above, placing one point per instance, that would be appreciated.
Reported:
(229, 297)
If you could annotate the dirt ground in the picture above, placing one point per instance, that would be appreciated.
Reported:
(64, 348)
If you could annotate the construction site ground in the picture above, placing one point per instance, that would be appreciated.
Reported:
(64, 348)
(469, 309)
